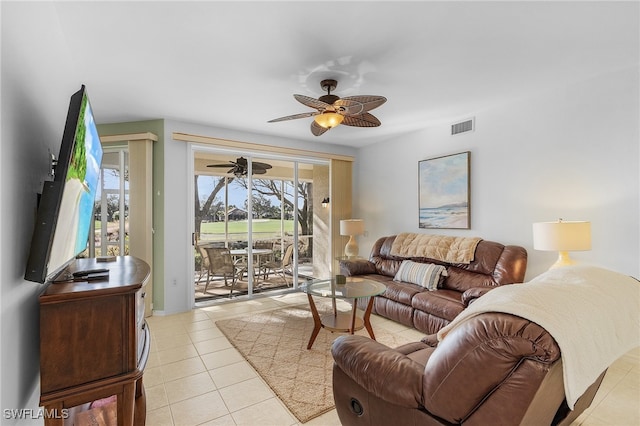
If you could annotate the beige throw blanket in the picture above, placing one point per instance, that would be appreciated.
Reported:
(439, 247)
(592, 313)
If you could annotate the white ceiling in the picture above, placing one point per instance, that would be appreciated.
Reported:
(237, 64)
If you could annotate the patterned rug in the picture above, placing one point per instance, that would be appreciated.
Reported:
(275, 344)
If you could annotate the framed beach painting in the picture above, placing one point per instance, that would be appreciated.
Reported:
(443, 192)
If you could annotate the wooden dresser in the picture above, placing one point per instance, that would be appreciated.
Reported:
(94, 341)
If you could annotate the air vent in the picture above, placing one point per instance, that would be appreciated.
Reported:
(463, 126)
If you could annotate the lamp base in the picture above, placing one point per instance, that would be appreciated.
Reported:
(351, 249)
(563, 260)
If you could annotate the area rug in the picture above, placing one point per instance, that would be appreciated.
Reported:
(275, 344)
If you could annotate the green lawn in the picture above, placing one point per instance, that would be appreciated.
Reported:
(265, 227)
(260, 226)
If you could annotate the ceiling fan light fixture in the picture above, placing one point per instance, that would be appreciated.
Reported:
(329, 119)
(331, 110)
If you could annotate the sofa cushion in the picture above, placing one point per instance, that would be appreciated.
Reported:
(401, 292)
(462, 280)
(427, 275)
(445, 304)
(395, 311)
(388, 267)
(357, 267)
(428, 323)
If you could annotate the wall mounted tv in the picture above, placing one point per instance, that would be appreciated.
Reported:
(66, 206)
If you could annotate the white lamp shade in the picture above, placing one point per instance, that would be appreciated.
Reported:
(352, 227)
(562, 236)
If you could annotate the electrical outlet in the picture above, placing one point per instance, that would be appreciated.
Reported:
(174, 282)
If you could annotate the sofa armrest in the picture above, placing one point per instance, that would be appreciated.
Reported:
(380, 370)
(430, 340)
(473, 293)
(357, 267)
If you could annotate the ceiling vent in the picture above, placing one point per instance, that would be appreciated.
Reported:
(463, 126)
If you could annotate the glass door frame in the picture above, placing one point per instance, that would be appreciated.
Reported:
(250, 155)
(123, 195)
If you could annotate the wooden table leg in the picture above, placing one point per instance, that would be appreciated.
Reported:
(317, 322)
(367, 316)
(353, 316)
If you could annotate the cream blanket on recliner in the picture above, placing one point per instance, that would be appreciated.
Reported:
(592, 313)
(440, 247)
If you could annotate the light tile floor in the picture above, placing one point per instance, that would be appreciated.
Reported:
(195, 377)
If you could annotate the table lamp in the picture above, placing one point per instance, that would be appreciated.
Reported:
(563, 237)
(351, 228)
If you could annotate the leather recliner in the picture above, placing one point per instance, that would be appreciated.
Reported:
(495, 368)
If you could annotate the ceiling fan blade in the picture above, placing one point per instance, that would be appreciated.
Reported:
(258, 165)
(362, 120)
(368, 102)
(239, 167)
(312, 102)
(317, 129)
(348, 107)
(295, 116)
(219, 165)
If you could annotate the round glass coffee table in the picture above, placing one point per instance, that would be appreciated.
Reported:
(346, 322)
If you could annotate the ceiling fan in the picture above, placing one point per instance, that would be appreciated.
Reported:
(332, 110)
(239, 168)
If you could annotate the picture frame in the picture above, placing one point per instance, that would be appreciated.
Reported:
(443, 192)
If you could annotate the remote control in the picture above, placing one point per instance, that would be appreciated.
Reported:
(89, 271)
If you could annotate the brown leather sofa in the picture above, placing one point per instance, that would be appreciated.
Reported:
(495, 369)
(494, 264)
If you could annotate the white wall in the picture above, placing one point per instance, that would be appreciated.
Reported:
(37, 83)
(570, 152)
(178, 214)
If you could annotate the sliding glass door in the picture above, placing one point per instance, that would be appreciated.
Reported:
(265, 211)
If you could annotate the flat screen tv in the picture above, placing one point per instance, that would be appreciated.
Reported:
(66, 206)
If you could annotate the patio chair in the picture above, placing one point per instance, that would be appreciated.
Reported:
(221, 264)
(264, 258)
(283, 266)
(204, 264)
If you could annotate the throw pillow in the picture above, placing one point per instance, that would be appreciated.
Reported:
(425, 274)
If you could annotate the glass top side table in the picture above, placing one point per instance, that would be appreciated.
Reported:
(354, 288)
